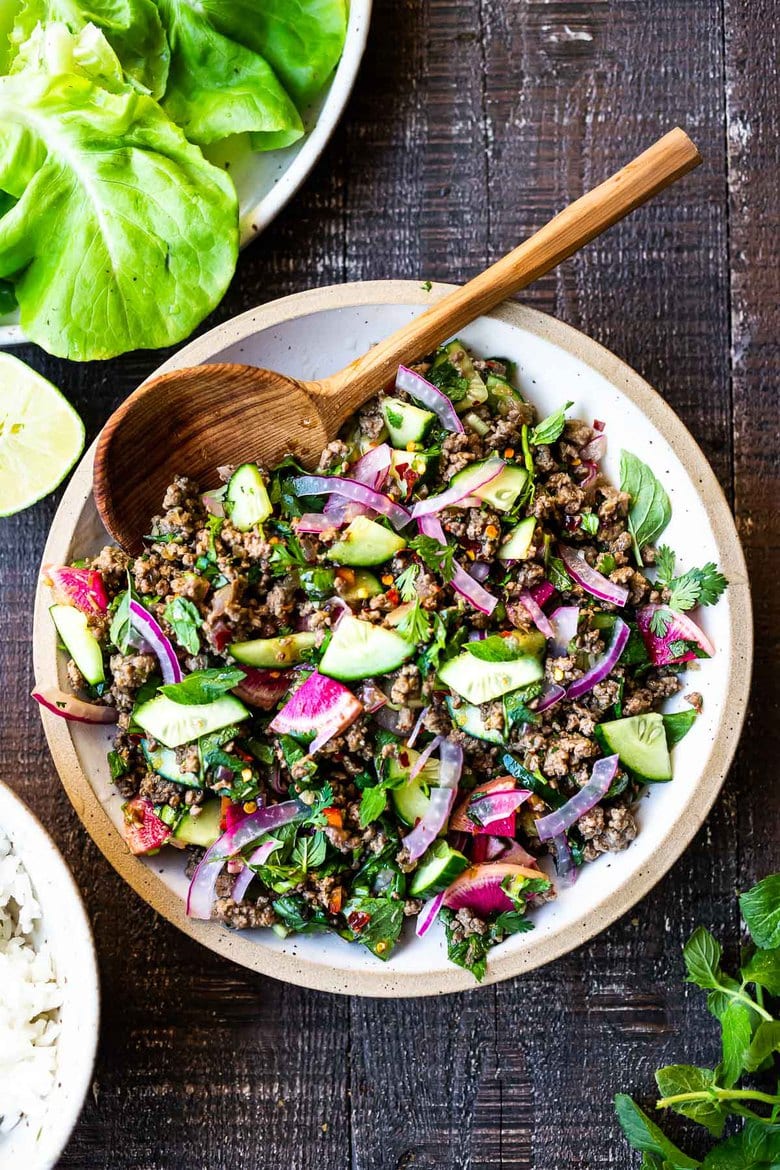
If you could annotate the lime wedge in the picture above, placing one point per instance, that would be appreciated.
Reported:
(41, 436)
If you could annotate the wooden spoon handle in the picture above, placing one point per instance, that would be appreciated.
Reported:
(668, 159)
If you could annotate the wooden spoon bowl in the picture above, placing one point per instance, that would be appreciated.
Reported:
(192, 421)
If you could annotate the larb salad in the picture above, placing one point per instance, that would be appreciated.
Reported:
(426, 681)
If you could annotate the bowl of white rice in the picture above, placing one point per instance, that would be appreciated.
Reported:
(49, 995)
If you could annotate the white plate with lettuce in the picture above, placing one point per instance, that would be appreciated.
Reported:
(142, 144)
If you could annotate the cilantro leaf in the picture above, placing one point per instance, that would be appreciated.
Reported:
(415, 625)
(204, 686)
(322, 800)
(185, 621)
(287, 556)
(439, 558)
(551, 428)
(664, 563)
(406, 582)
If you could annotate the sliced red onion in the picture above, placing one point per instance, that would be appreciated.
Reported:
(213, 501)
(388, 719)
(429, 914)
(540, 618)
(429, 395)
(461, 581)
(595, 449)
(76, 710)
(480, 571)
(496, 806)
(515, 854)
(161, 645)
(350, 489)
(259, 857)
(565, 866)
(317, 522)
(417, 727)
(561, 819)
(371, 469)
(605, 665)
(476, 476)
(552, 695)
(424, 756)
(565, 620)
(428, 828)
(494, 847)
(278, 785)
(451, 764)
(592, 469)
(542, 592)
(202, 890)
(590, 579)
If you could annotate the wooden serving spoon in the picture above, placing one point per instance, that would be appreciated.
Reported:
(192, 421)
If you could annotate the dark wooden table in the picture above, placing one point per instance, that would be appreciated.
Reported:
(472, 121)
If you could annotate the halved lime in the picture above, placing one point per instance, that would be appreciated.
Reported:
(41, 436)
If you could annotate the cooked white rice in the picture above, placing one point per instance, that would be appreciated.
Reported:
(29, 997)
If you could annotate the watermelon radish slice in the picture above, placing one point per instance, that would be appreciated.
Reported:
(680, 628)
(82, 588)
(479, 887)
(503, 827)
(318, 710)
(263, 688)
(142, 828)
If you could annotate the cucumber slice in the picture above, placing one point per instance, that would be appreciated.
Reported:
(162, 760)
(468, 718)
(365, 585)
(173, 724)
(203, 829)
(478, 682)
(246, 498)
(364, 542)
(80, 642)
(454, 354)
(274, 652)
(405, 423)
(640, 742)
(410, 799)
(438, 868)
(360, 650)
(503, 491)
(502, 395)
(518, 542)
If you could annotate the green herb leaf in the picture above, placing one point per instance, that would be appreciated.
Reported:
(688, 1090)
(677, 724)
(406, 582)
(373, 803)
(650, 510)
(185, 621)
(116, 765)
(664, 562)
(763, 968)
(376, 923)
(737, 1030)
(494, 649)
(415, 625)
(439, 558)
(644, 1135)
(556, 571)
(309, 852)
(764, 1044)
(589, 522)
(449, 380)
(120, 631)
(204, 686)
(316, 812)
(756, 1147)
(760, 908)
(551, 428)
(702, 955)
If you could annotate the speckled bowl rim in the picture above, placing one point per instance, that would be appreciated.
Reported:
(596, 916)
(56, 889)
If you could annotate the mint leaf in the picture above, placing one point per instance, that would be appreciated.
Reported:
(185, 621)
(695, 1086)
(756, 1147)
(373, 803)
(376, 923)
(204, 686)
(650, 510)
(551, 428)
(556, 571)
(589, 522)
(702, 955)
(737, 1029)
(760, 908)
(765, 1042)
(494, 649)
(763, 968)
(644, 1135)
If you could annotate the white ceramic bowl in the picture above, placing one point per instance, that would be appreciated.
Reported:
(266, 182)
(316, 333)
(65, 929)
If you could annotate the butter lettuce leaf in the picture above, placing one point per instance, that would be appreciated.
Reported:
(122, 236)
(132, 28)
(217, 86)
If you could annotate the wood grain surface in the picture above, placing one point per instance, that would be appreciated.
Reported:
(472, 121)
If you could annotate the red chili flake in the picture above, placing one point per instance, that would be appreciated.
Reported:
(245, 756)
(358, 920)
(403, 759)
(571, 523)
(393, 596)
(221, 636)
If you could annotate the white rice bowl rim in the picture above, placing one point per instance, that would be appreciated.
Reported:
(64, 927)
